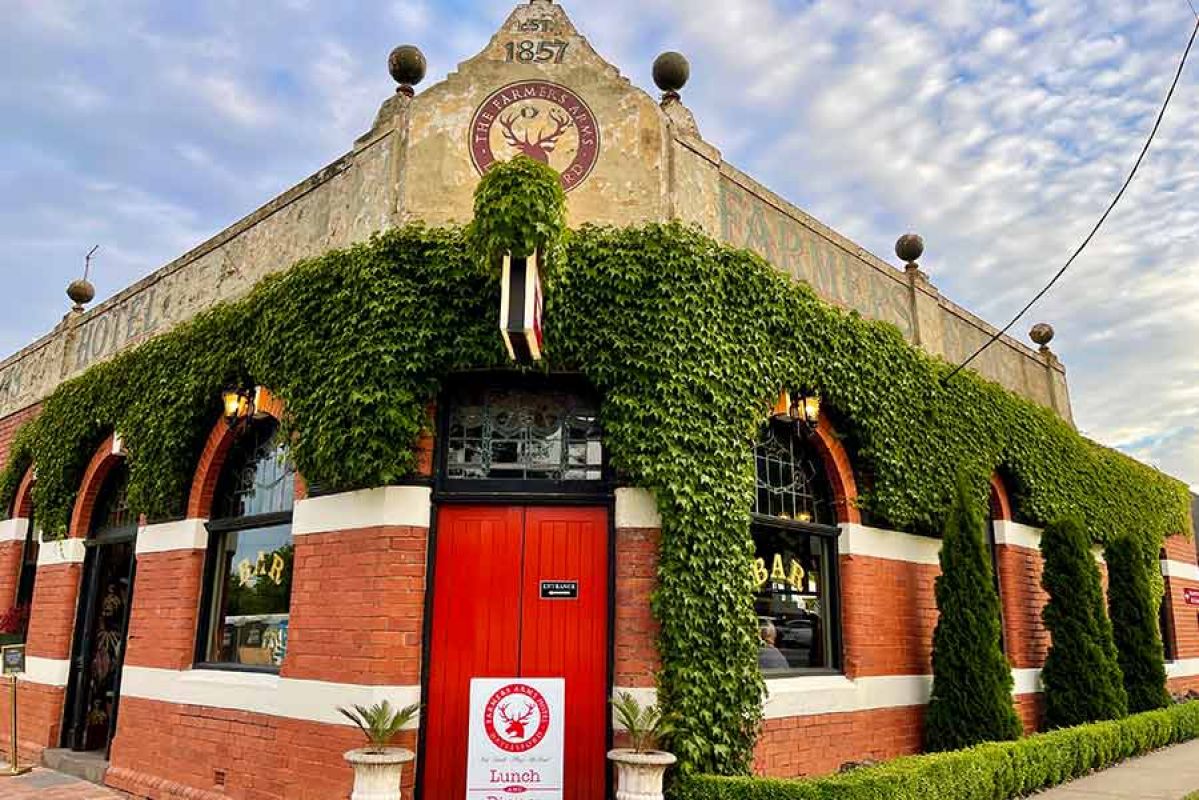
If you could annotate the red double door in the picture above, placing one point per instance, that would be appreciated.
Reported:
(491, 619)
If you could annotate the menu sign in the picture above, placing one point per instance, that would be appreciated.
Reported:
(517, 738)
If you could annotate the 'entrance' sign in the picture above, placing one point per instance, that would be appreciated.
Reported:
(516, 742)
(559, 590)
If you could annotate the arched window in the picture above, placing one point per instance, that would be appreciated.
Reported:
(1165, 619)
(996, 512)
(248, 595)
(795, 543)
(28, 564)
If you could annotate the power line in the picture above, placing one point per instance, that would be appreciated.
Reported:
(1102, 219)
(1193, 11)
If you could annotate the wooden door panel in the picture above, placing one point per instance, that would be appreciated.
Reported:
(569, 637)
(475, 631)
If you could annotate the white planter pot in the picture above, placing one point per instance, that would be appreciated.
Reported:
(377, 774)
(639, 775)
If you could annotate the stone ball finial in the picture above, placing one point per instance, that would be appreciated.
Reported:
(1042, 334)
(909, 248)
(671, 72)
(81, 292)
(407, 66)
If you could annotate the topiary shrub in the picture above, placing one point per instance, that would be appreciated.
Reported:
(1081, 675)
(1133, 608)
(972, 683)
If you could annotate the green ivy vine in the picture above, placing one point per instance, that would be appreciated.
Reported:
(687, 339)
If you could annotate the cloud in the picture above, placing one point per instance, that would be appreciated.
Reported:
(999, 131)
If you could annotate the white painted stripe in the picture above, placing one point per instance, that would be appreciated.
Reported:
(859, 540)
(13, 530)
(389, 506)
(1013, 534)
(1027, 681)
(61, 551)
(47, 671)
(312, 701)
(1180, 570)
(188, 534)
(1184, 668)
(810, 695)
(637, 508)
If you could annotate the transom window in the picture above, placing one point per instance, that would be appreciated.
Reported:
(112, 514)
(791, 483)
(516, 434)
(251, 554)
(795, 556)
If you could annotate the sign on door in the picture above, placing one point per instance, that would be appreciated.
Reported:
(516, 739)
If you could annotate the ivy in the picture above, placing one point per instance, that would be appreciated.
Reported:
(687, 339)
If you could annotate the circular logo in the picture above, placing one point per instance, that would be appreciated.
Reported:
(544, 121)
(517, 718)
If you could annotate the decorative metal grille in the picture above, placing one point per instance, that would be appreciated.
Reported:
(112, 508)
(502, 434)
(791, 481)
(259, 477)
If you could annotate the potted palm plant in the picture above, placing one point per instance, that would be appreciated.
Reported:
(378, 767)
(641, 768)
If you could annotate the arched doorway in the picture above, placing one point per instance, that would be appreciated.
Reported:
(102, 621)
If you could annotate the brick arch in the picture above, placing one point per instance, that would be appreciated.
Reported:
(216, 452)
(837, 466)
(1001, 501)
(22, 504)
(106, 458)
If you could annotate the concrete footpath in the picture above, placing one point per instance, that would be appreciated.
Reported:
(1169, 774)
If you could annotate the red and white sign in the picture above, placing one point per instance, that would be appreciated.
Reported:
(516, 743)
(1191, 596)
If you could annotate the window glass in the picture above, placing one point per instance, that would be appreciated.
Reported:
(791, 570)
(28, 564)
(791, 484)
(251, 553)
(498, 434)
(253, 579)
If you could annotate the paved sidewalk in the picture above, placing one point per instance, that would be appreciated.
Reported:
(1169, 774)
(42, 784)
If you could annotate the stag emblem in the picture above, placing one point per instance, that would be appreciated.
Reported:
(516, 724)
(546, 142)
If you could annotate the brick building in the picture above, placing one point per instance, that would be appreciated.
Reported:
(203, 657)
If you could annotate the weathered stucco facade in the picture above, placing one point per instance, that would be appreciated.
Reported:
(645, 161)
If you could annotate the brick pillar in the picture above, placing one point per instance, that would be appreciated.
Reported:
(635, 634)
(42, 690)
(1181, 574)
(166, 595)
(12, 548)
(1019, 563)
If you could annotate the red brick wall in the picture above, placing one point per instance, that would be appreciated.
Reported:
(357, 607)
(1031, 708)
(166, 601)
(888, 614)
(820, 744)
(636, 631)
(1024, 634)
(1180, 548)
(10, 572)
(39, 712)
(168, 751)
(52, 622)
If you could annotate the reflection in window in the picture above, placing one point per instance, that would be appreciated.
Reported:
(498, 434)
(795, 556)
(252, 552)
(791, 570)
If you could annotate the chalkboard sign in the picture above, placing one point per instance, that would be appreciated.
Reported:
(14, 659)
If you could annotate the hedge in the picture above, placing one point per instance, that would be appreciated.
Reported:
(995, 771)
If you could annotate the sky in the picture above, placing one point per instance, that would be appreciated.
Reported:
(999, 131)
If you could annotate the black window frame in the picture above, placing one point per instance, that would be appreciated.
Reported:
(218, 529)
(27, 578)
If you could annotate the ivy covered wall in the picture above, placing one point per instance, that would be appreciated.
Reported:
(688, 341)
